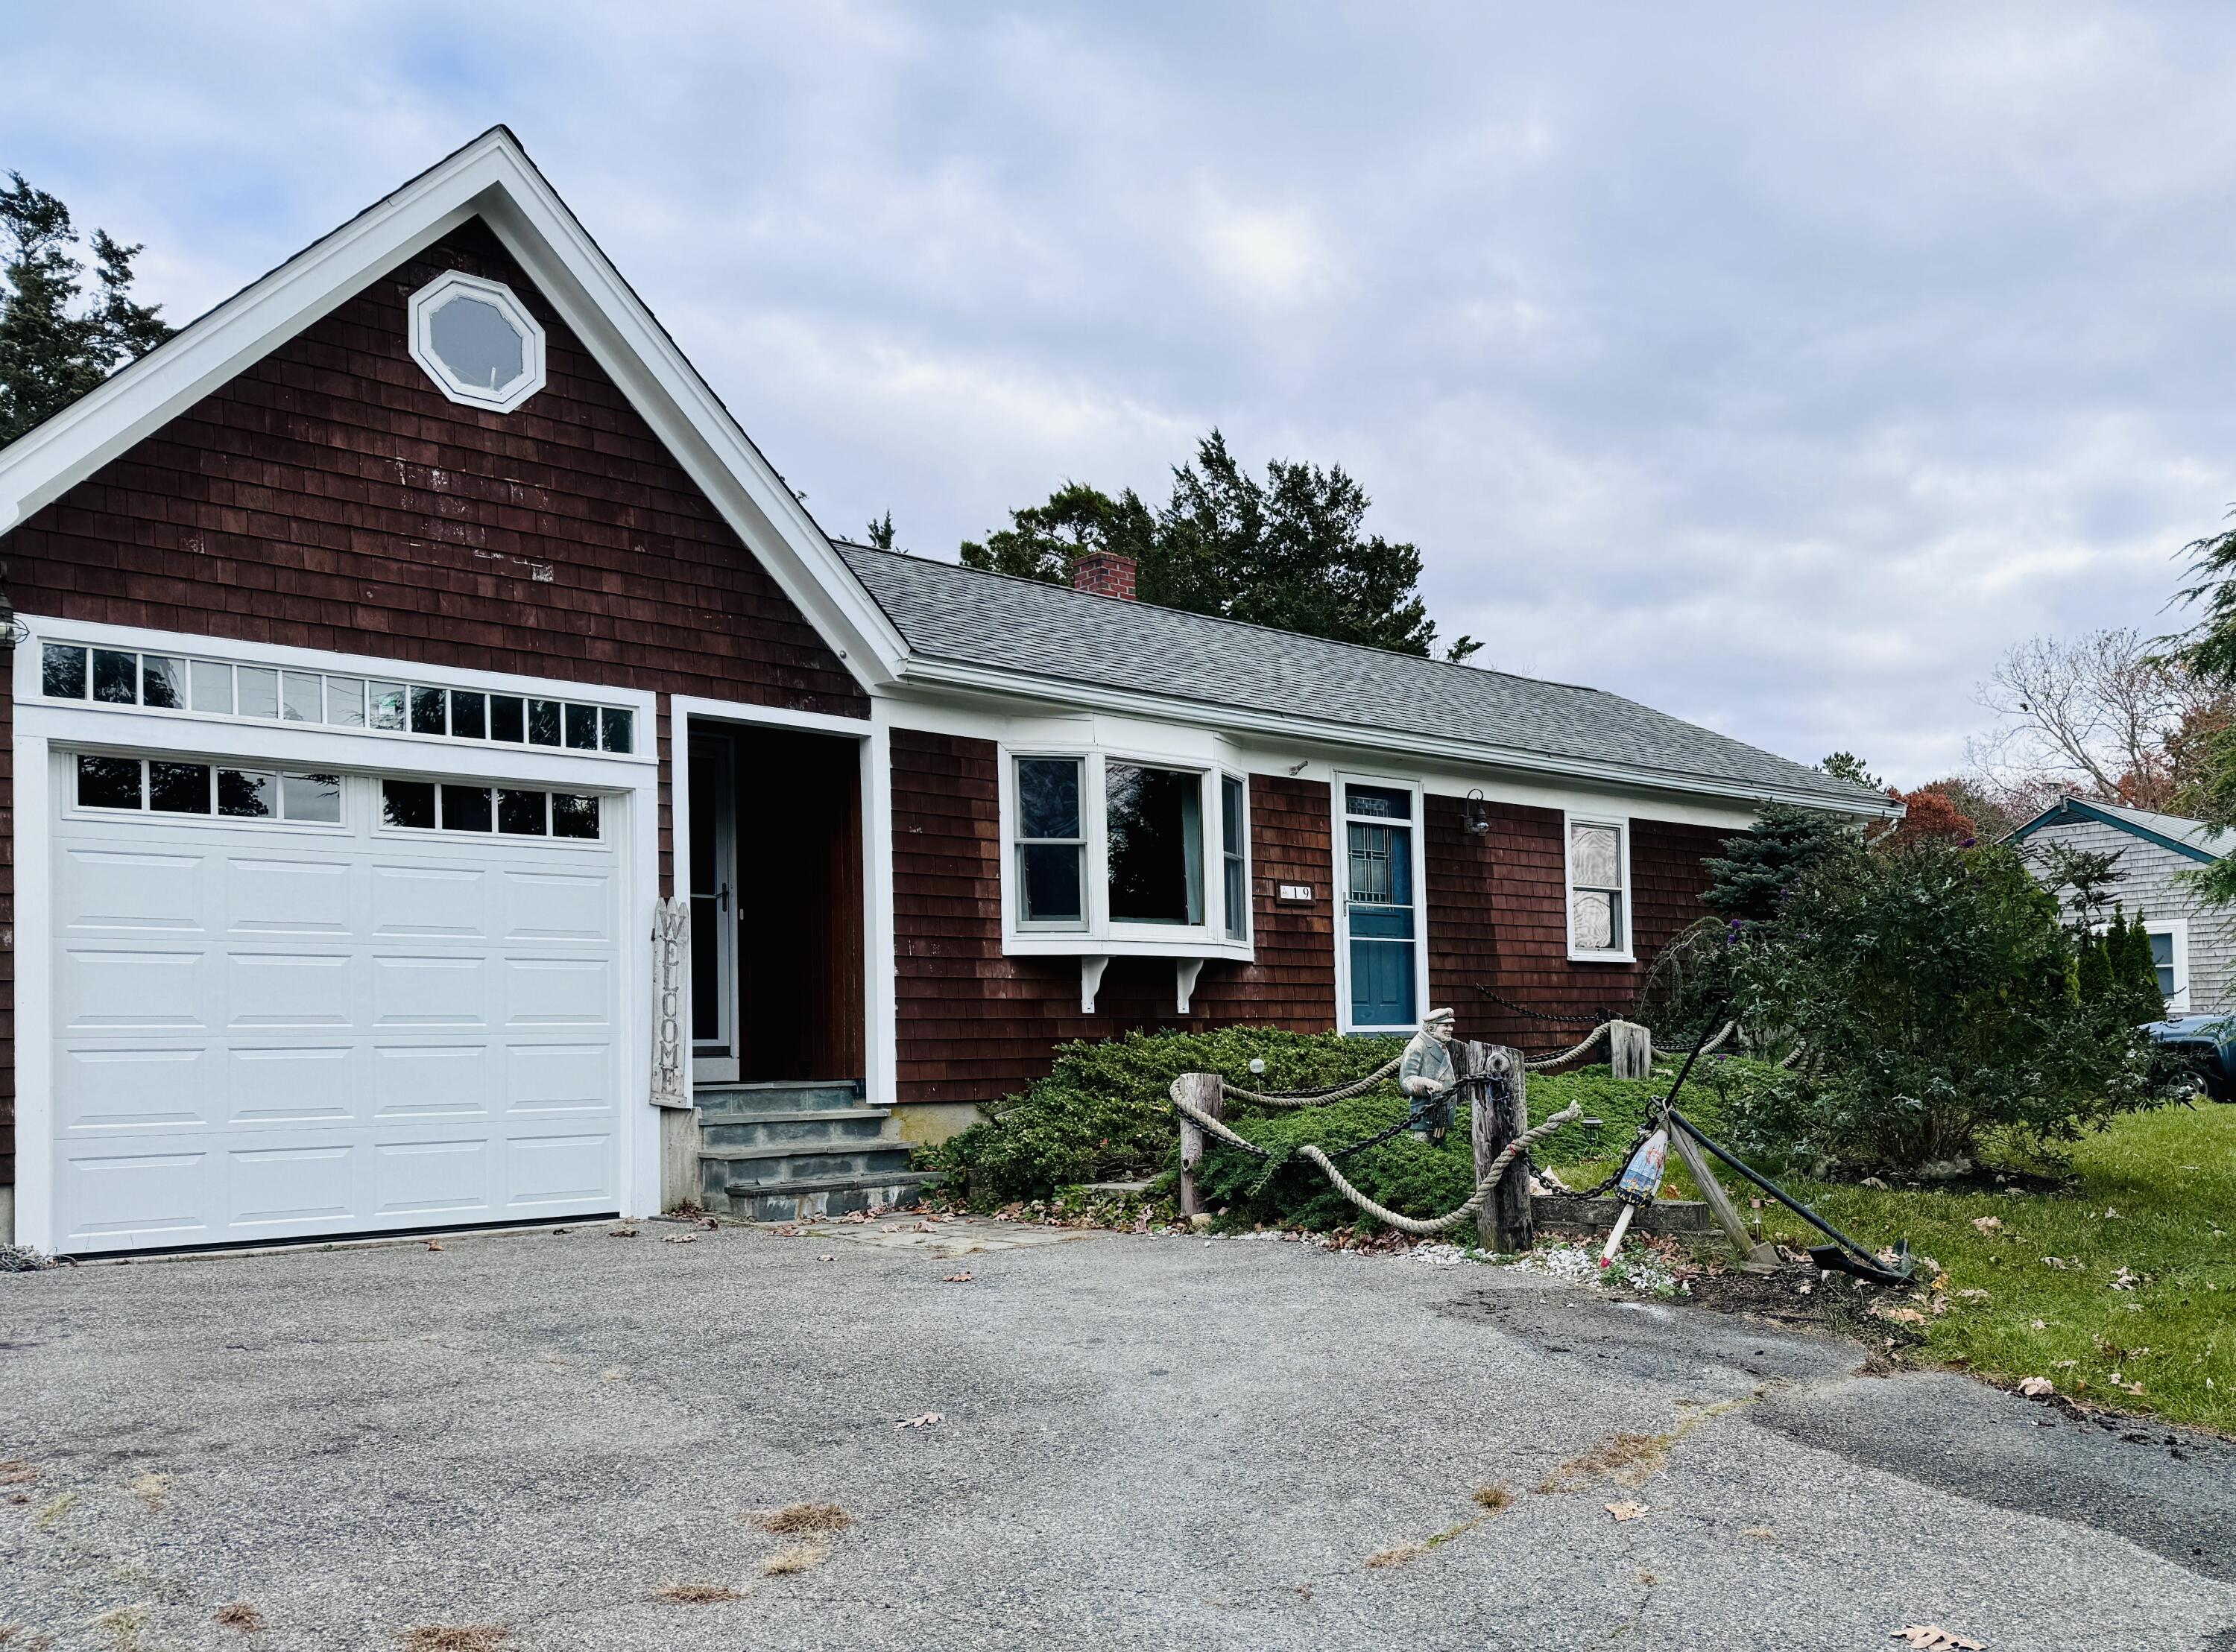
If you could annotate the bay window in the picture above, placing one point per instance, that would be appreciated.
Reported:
(1125, 854)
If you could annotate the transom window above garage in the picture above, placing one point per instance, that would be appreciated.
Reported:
(124, 677)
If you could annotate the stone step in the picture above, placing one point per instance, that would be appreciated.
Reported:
(821, 1127)
(722, 1167)
(717, 1100)
(808, 1199)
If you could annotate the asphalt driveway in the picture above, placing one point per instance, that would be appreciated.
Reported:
(1141, 1442)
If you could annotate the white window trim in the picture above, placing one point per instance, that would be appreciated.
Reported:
(1227, 927)
(2178, 1000)
(430, 297)
(1339, 870)
(1621, 823)
(43, 728)
(1100, 935)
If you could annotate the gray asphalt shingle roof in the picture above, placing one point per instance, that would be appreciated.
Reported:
(991, 620)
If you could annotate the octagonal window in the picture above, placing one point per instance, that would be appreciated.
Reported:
(476, 341)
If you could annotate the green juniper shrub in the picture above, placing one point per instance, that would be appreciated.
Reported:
(1103, 1112)
(1417, 1179)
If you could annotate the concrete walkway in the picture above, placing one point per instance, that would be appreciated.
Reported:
(1142, 1443)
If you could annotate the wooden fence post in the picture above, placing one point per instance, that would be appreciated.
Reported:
(1204, 1090)
(1755, 1257)
(1506, 1222)
(1630, 1050)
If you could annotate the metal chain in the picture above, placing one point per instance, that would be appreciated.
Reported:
(1542, 1015)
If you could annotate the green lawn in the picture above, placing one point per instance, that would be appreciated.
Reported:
(2155, 1196)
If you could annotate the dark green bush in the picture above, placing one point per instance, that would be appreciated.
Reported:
(1103, 1114)
(1937, 996)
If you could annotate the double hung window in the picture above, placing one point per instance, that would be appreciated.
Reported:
(1599, 889)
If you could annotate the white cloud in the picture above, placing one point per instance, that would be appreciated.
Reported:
(1776, 369)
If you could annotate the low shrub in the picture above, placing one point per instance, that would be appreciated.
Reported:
(1103, 1114)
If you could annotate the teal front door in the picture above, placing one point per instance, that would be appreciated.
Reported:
(1381, 916)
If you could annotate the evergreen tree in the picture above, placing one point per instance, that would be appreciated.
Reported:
(1846, 765)
(57, 341)
(878, 535)
(1290, 551)
(1043, 542)
(1751, 878)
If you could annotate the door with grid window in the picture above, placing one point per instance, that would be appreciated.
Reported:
(1381, 916)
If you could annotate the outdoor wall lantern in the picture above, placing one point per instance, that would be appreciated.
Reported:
(1477, 810)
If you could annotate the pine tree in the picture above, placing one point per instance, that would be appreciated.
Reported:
(57, 340)
(1751, 878)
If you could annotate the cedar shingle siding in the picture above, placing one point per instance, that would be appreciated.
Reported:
(331, 497)
(974, 1025)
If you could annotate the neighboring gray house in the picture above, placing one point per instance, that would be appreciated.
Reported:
(2194, 945)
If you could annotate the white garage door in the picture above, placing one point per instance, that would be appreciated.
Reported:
(301, 1005)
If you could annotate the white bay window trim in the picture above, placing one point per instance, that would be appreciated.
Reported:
(1572, 882)
(1096, 934)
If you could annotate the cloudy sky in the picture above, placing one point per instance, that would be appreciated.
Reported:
(1777, 365)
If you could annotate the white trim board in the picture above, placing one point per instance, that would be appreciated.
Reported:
(1339, 872)
(493, 179)
(880, 988)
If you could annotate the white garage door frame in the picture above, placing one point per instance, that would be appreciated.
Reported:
(42, 726)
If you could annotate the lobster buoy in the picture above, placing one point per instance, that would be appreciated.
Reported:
(1642, 1181)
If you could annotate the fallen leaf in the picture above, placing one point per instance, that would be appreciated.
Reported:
(1987, 1224)
(1626, 1511)
(788, 1231)
(152, 1489)
(963, 1278)
(434, 1244)
(622, 1232)
(826, 1259)
(679, 1239)
(15, 1471)
(1932, 1636)
(2037, 1387)
(239, 1616)
(2042, 1325)
(2061, 1263)
(930, 1420)
(2125, 1280)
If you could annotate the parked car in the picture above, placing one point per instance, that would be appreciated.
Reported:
(2209, 1042)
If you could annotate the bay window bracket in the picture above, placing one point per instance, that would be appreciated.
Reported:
(1090, 981)
(1185, 971)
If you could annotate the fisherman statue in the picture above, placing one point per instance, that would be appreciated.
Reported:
(1425, 1073)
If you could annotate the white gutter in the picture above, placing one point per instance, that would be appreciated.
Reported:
(922, 671)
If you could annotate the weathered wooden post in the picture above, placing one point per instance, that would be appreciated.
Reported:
(1755, 1257)
(1506, 1222)
(1206, 1091)
(1630, 1050)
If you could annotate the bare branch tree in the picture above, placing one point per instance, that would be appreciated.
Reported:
(2090, 716)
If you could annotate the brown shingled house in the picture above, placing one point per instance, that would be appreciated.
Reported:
(390, 644)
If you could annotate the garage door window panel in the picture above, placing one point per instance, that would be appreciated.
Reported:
(108, 782)
(521, 814)
(179, 788)
(466, 808)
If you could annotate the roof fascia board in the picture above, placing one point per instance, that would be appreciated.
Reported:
(946, 674)
(491, 178)
(2070, 806)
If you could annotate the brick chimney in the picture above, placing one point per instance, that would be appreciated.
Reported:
(1104, 573)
